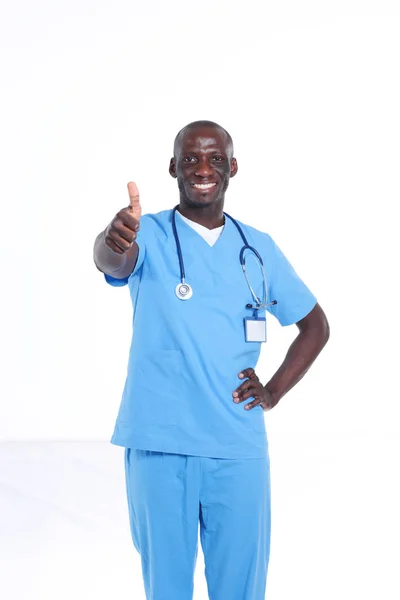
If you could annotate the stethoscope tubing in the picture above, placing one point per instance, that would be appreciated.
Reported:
(246, 246)
(178, 246)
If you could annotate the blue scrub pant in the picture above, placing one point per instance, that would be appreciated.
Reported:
(170, 494)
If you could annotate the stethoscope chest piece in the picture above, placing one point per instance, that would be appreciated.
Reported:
(183, 291)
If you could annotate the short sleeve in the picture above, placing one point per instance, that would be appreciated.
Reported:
(294, 299)
(140, 240)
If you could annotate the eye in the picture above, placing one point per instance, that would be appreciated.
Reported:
(188, 159)
(218, 158)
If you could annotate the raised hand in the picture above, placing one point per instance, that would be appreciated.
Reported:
(121, 233)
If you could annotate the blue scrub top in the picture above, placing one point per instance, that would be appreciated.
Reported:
(185, 356)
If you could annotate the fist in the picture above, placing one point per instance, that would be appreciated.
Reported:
(121, 233)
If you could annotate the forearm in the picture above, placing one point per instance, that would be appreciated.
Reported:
(299, 358)
(107, 261)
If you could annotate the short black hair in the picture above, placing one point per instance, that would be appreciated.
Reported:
(202, 123)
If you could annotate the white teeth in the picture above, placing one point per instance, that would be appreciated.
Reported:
(203, 186)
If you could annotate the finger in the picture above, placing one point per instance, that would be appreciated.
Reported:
(242, 388)
(265, 401)
(127, 219)
(248, 393)
(250, 373)
(134, 200)
(252, 377)
(123, 231)
(124, 245)
(265, 404)
(109, 242)
(252, 392)
(250, 405)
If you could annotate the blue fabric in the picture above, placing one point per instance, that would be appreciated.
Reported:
(171, 495)
(185, 356)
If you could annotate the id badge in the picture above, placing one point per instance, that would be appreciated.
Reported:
(255, 330)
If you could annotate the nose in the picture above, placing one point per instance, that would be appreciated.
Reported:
(203, 169)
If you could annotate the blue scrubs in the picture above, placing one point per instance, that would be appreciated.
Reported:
(170, 494)
(185, 356)
(192, 453)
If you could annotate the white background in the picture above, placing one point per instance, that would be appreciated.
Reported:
(92, 96)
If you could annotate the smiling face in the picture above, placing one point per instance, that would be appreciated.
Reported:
(203, 164)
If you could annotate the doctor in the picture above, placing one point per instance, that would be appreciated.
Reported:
(192, 412)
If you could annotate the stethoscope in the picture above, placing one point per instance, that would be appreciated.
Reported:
(184, 291)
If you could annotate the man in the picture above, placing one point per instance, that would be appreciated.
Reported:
(192, 412)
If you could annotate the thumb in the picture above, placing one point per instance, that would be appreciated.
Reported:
(134, 200)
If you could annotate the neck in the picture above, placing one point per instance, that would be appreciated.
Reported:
(208, 216)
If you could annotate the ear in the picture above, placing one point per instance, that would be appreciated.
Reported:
(234, 167)
(172, 168)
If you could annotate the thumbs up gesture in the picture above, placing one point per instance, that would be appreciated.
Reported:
(121, 233)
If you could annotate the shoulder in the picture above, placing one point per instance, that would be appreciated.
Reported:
(256, 236)
(157, 219)
(156, 223)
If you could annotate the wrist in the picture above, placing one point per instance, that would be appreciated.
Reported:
(275, 395)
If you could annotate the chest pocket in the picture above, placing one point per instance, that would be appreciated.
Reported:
(234, 279)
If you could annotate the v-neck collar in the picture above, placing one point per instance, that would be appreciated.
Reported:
(198, 235)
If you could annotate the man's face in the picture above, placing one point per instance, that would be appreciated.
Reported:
(203, 165)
